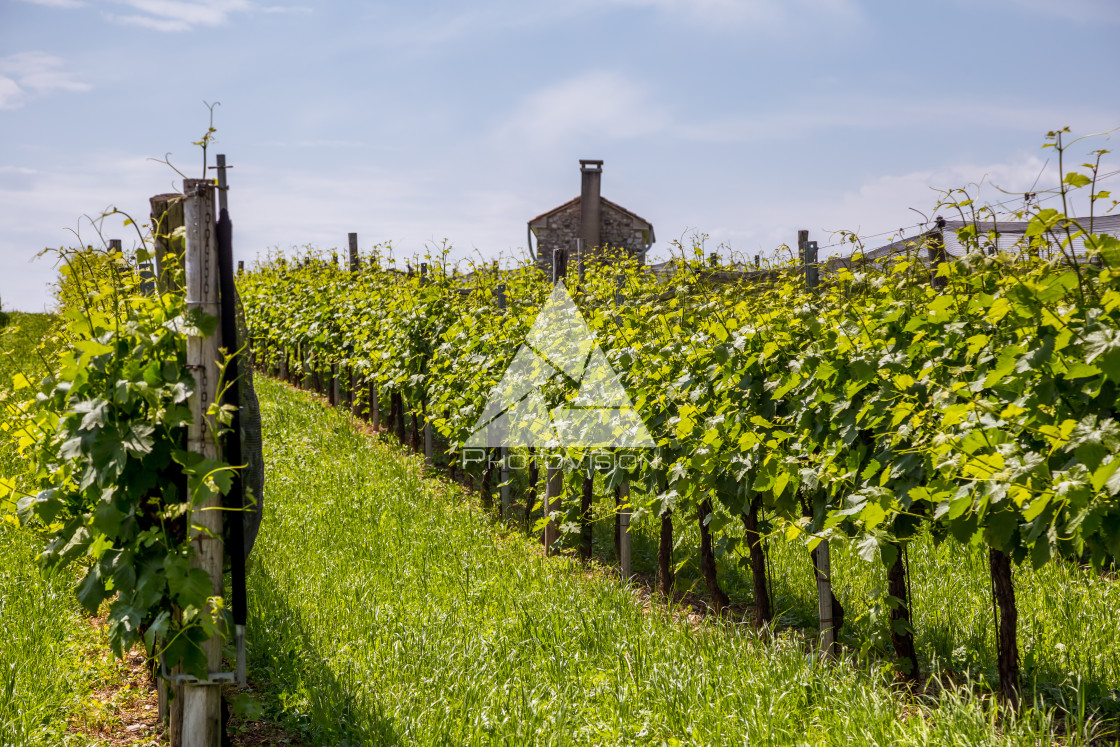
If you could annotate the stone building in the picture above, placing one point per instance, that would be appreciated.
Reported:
(601, 224)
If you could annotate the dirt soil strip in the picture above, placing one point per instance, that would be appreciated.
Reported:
(123, 709)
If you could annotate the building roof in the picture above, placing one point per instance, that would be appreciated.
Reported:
(575, 201)
(993, 235)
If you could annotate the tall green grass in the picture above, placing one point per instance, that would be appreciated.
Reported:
(45, 674)
(1069, 639)
(386, 608)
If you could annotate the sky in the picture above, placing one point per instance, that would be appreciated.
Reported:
(420, 122)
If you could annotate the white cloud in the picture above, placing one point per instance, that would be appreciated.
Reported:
(734, 14)
(600, 104)
(302, 10)
(11, 95)
(314, 144)
(179, 15)
(1078, 11)
(57, 3)
(38, 206)
(887, 113)
(889, 206)
(900, 195)
(27, 73)
(271, 207)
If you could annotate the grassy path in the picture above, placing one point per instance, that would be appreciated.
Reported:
(49, 666)
(386, 608)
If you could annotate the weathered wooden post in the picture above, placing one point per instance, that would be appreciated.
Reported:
(937, 254)
(622, 500)
(808, 259)
(554, 480)
(428, 445)
(167, 219)
(352, 398)
(622, 493)
(503, 452)
(201, 722)
(147, 278)
(553, 490)
(424, 402)
(581, 267)
(353, 394)
(374, 406)
(820, 554)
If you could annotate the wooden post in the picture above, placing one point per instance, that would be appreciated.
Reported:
(665, 573)
(822, 559)
(554, 480)
(147, 279)
(201, 724)
(624, 529)
(167, 217)
(622, 494)
(333, 394)
(353, 253)
(531, 490)
(424, 402)
(503, 452)
(937, 254)
(808, 251)
(580, 266)
(559, 265)
(587, 529)
(352, 393)
(374, 407)
(428, 462)
(163, 712)
(553, 489)
(822, 565)
(503, 481)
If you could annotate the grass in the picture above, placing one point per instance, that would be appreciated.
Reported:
(48, 664)
(47, 674)
(386, 608)
(1069, 641)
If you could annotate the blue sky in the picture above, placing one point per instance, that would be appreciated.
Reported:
(418, 122)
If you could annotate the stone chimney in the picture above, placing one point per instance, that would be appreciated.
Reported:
(590, 220)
